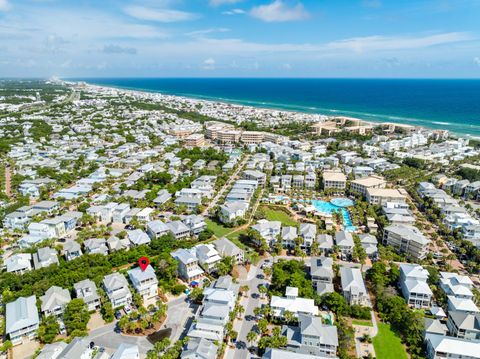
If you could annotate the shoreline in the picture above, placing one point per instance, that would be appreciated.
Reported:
(367, 118)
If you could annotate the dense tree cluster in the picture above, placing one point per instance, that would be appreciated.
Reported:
(290, 274)
(95, 267)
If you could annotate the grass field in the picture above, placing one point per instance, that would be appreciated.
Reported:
(387, 344)
(365, 323)
(218, 229)
(279, 215)
(234, 237)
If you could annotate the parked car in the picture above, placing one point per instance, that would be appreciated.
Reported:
(127, 309)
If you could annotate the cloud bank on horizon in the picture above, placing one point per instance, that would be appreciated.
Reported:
(249, 38)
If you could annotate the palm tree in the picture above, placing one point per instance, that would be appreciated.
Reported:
(240, 311)
(262, 289)
(251, 336)
(288, 316)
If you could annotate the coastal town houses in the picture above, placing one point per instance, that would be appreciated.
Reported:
(54, 301)
(292, 303)
(19, 263)
(312, 336)
(321, 274)
(22, 320)
(188, 267)
(227, 248)
(414, 286)
(87, 291)
(145, 281)
(116, 288)
(353, 286)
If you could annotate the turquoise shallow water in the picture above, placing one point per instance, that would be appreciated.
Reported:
(337, 204)
(452, 105)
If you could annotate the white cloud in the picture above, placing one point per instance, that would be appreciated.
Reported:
(202, 33)
(208, 64)
(160, 15)
(477, 60)
(375, 43)
(279, 11)
(4, 5)
(223, 2)
(234, 12)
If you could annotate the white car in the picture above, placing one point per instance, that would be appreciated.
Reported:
(127, 309)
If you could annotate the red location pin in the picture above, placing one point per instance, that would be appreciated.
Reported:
(143, 262)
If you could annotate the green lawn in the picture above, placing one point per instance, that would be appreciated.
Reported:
(279, 215)
(365, 323)
(234, 237)
(218, 229)
(222, 231)
(387, 344)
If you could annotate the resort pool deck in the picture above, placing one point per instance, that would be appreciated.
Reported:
(335, 205)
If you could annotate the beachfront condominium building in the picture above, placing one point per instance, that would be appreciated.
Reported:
(213, 128)
(335, 180)
(252, 137)
(362, 184)
(406, 239)
(194, 140)
(383, 195)
(228, 137)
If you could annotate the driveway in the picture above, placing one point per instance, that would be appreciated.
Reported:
(247, 322)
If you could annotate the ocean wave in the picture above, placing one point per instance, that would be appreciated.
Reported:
(443, 123)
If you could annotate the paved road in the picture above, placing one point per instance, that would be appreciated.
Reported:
(246, 324)
(178, 314)
(230, 181)
(107, 338)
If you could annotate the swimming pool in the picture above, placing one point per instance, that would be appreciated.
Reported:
(330, 207)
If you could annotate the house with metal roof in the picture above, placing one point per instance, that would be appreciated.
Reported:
(54, 301)
(116, 287)
(414, 286)
(137, 237)
(22, 319)
(440, 346)
(87, 290)
(464, 325)
(188, 267)
(321, 274)
(353, 286)
(156, 229)
(227, 248)
(199, 348)
(45, 257)
(19, 263)
(311, 336)
(126, 351)
(71, 250)
(145, 281)
(292, 303)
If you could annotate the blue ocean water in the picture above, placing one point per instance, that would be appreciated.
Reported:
(452, 105)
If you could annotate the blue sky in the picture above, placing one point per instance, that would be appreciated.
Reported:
(240, 38)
